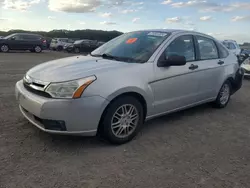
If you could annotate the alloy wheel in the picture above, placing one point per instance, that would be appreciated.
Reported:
(38, 49)
(224, 94)
(4, 48)
(124, 120)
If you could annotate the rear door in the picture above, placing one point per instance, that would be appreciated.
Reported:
(31, 41)
(211, 65)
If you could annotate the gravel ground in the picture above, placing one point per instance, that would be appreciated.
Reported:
(200, 147)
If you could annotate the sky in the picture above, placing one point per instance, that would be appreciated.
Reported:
(223, 19)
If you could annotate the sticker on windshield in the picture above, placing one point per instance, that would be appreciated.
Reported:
(157, 34)
(131, 40)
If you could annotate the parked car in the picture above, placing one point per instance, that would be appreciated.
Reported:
(23, 41)
(245, 60)
(233, 46)
(59, 43)
(100, 43)
(82, 46)
(135, 77)
(48, 39)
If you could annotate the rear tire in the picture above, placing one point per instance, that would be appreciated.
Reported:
(4, 48)
(224, 95)
(122, 120)
(38, 49)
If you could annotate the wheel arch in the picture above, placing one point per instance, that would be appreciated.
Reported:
(232, 82)
(5, 44)
(118, 94)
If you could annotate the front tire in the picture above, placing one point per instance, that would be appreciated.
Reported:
(4, 48)
(224, 95)
(122, 120)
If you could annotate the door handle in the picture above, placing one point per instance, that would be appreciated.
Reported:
(220, 62)
(193, 67)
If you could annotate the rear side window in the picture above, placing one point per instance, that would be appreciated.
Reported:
(232, 46)
(207, 47)
(222, 51)
(31, 37)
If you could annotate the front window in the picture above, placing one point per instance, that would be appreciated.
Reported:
(9, 36)
(132, 47)
(182, 46)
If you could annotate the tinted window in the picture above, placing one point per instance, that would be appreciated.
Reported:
(207, 47)
(231, 46)
(18, 37)
(31, 37)
(222, 51)
(182, 46)
(86, 42)
(70, 41)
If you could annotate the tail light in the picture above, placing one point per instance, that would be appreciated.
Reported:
(44, 41)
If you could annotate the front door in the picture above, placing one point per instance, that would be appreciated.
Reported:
(17, 42)
(176, 87)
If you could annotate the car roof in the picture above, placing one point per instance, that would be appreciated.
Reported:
(176, 31)
(26, 34)
(229, 41)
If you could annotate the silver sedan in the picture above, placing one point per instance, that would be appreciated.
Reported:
(135, 77)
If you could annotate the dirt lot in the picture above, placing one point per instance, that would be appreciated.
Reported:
(200, 147)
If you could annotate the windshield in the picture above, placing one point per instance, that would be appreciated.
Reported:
(9, 36)
(132, 47)
(78, 41)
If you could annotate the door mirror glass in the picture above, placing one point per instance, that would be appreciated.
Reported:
(173, 60)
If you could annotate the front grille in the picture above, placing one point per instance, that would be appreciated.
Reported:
(37, 92)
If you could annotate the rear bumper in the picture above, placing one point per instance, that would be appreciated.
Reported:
(237, 84)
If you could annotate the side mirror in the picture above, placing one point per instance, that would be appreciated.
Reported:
(12, 38)
(173, 60)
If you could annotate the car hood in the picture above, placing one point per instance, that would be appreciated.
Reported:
(71, 68)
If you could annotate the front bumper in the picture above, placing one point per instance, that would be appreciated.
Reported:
(77, 116)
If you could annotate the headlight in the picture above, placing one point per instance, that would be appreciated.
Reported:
(72, 89)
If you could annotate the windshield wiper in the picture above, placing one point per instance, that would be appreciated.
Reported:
(108, 56)
(104, 56)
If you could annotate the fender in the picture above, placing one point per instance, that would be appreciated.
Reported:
(148, 98)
